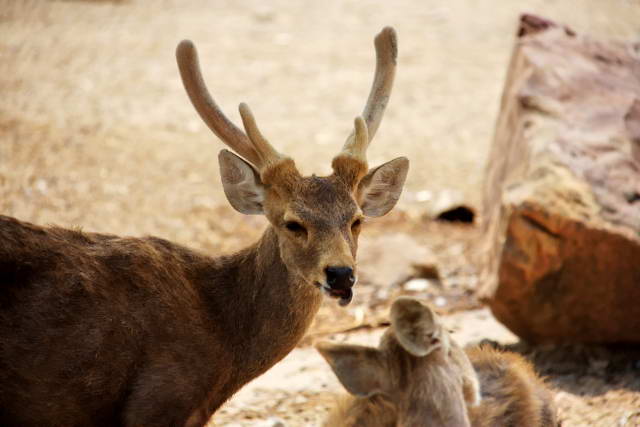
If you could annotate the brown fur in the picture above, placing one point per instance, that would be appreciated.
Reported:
(351, 169)
(418, 379)
(352, 411)
(512, 393)
(398, 388)
(103, 330)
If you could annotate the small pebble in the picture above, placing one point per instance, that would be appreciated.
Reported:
(417, 285)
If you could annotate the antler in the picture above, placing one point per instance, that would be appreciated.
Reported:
(254, 148)
(386, 54)
(266, 153)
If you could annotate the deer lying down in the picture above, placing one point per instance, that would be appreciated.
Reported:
(104, 330)
(418, 376)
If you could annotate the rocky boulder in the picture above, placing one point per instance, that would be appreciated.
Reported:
(561, 214)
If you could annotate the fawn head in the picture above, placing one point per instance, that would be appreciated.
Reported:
(317, 219)
(406, 367)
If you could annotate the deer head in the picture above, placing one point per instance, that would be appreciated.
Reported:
(411, 367)
(317, 219)
(415, 332)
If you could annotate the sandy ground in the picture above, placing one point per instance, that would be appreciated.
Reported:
(96, 131)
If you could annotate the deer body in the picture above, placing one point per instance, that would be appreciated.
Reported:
(136, 303)
(512, 393)
(102, 330)
(397, 385)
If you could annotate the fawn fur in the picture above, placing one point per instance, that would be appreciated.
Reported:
(404, 384)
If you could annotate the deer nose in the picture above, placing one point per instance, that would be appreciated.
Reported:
(340, 277)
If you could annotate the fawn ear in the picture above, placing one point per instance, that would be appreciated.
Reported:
(381, 187)
(361, 370)
(242, 185)
(413, 324)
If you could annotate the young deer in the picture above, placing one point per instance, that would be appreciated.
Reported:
(104, 330)
(419, 376)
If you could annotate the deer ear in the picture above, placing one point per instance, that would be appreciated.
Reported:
(412, 322)
(361, 370)
(380, 189)
(242, 185)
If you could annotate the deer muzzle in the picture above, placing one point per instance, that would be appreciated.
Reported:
(340, 280)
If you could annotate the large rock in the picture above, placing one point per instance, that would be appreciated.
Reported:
(562, 190)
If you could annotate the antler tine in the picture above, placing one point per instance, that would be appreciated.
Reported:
(230, 134)
(265, 151)
(357, 144)
(386, 44)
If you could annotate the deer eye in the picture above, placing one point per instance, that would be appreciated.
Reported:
(295, 227)
(355, 224)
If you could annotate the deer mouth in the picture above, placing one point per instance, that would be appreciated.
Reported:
(344, 295)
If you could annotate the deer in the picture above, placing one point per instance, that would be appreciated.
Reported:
(102, 330)
(419, 376)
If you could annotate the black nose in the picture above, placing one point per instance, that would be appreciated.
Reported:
(340, 277)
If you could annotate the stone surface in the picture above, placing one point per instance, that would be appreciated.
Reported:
(562, 190)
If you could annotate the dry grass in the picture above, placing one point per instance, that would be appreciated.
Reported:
(96, 131)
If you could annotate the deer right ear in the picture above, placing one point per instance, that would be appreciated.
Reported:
(412, 322)
(380, 189)
(242, 185)
(361, 370)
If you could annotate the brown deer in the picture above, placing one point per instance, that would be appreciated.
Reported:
(104, 330)
(419, 376)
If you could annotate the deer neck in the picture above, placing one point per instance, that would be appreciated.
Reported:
(444, 404)
(259, 305)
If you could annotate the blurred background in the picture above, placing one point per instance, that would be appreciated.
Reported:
(97, 132)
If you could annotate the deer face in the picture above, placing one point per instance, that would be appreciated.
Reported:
(318, 226)
(317, 219)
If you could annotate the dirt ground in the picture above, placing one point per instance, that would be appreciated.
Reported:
(96, 131)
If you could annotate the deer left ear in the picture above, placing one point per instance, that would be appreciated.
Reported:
(241, 183)
(361, 370)
(379, 191)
